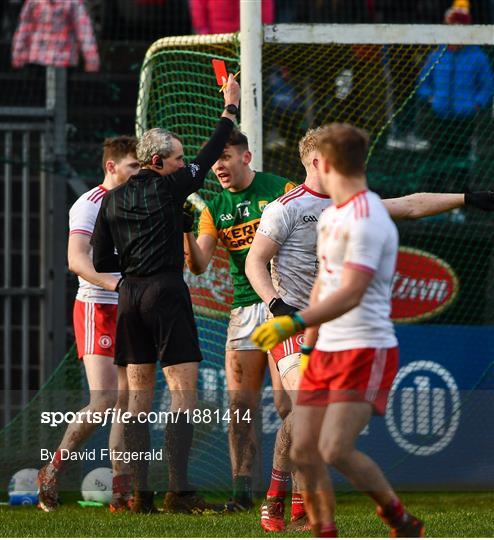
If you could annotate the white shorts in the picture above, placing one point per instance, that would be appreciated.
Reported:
(243, 321)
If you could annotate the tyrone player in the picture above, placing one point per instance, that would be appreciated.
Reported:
(355, 359)
(286, 238)
(95, 312)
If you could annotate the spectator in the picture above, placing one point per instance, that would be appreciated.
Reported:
(457, 89)
(52, 33)
(223, 16)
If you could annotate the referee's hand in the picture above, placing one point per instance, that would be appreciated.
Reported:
(483, 200)
(231, 93)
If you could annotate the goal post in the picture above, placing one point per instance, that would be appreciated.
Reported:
(251, 40)
(382, 34)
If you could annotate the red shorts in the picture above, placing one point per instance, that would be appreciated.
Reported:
(354, 375)
(288, 347)
(94, 327)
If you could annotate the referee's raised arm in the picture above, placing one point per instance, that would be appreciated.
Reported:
(143, 218)
(191, 178)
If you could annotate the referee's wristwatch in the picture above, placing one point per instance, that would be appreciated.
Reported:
(231, 109)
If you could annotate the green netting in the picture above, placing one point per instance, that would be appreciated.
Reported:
(178, 91)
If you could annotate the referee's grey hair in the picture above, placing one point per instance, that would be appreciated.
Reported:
(154, 141)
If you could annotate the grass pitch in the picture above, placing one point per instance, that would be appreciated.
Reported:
(445, 515)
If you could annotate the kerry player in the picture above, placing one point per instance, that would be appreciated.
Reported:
(232, 217)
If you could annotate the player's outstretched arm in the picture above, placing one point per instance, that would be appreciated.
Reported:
(80, 262)
(420, 205)
(482, 200)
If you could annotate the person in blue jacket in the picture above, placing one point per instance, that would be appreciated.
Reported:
(458, 83)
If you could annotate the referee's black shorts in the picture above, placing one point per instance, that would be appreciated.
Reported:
(155, 322)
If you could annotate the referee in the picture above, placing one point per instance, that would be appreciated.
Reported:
(142, 220)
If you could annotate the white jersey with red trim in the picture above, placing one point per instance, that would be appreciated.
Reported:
(82, 218)
(291, 222)
(358, 234)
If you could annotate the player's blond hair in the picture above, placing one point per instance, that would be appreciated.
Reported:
(308, 143)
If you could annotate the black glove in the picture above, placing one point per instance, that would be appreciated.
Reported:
(188, 217)
(278, 307)
(119, 284)
(483, 200)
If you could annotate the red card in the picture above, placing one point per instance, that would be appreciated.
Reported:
(219, 67)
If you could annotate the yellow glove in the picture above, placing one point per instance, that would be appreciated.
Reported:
(304, 362)
(304, 357)
(277, 330)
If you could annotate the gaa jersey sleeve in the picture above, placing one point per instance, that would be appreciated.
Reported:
(275, 223)
(206, 224)
(82, 216)
(366, 242)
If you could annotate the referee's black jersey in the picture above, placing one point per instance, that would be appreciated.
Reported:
(142, 219)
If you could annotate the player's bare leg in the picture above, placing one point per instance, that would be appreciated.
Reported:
(291, 382)
(317, 489)
(121, 471)
(141, 380)
(281, 398)
(272, 509)
(342, 425)
(244, 376)
(102, 379)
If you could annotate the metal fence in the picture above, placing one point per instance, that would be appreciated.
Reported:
(33, 272)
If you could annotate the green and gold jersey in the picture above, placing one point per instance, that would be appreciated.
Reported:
(233, 217)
